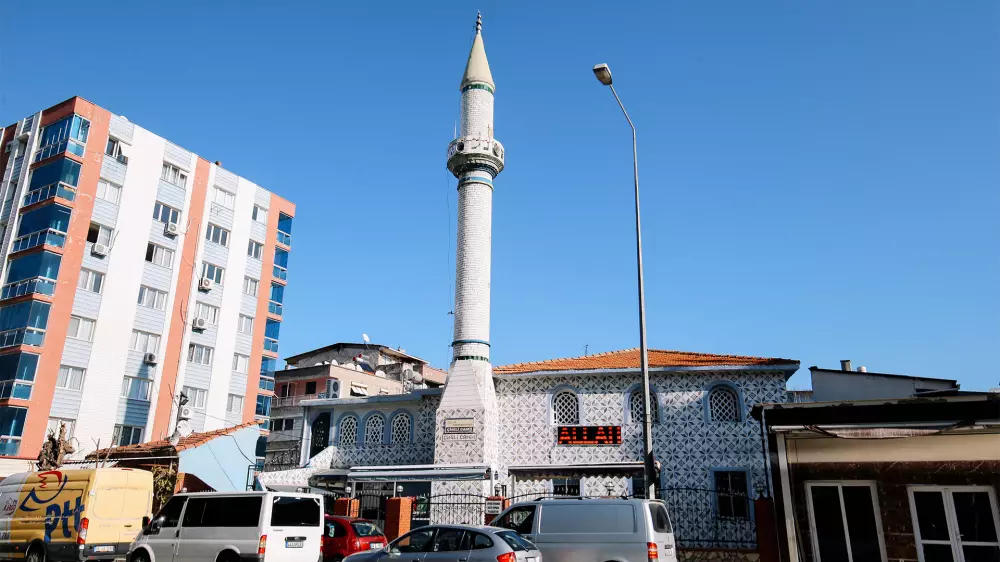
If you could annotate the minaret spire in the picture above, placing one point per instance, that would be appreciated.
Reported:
(479, 22)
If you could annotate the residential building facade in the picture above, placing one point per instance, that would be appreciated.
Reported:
(133, 270)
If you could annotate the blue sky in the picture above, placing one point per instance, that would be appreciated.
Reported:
(820, 180)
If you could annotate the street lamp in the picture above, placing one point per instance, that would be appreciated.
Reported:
(603, 74)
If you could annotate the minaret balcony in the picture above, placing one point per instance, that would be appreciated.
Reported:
(470, 151)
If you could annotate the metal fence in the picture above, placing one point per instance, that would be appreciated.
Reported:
(709, 519)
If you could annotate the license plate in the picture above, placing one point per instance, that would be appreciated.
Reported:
(375, 545)
(104, 548)
(531, 559)
(293, 544)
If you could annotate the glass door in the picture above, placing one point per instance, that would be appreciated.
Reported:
(955, 523)
(844, 521)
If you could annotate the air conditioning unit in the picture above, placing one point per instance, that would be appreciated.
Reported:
(333, 389)
(171, 229)
(199, 323)
(204, 284)
(99, 250)
(185, 413)
(149, 359)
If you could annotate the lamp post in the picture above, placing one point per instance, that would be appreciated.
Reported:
(603, 74)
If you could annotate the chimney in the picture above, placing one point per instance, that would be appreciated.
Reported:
(845, 364)
(862, 369)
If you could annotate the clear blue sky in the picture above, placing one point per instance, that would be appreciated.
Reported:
(820, 179)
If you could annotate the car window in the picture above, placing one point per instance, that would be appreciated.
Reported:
(288, 511)
(448, 540)
(417, 541)
(366, 529)
(223, 512)
(476, 541)
(335, 529)
(518, 519)
(585, 519)
(171, 512)
(661, 521)
(516, 542)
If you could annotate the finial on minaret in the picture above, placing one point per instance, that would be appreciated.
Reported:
(479, 22)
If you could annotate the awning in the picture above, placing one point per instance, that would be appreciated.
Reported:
(358, 389)
(472, 473)
(589, 469)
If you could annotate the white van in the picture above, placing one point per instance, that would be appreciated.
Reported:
(233, 527)
(594, 530)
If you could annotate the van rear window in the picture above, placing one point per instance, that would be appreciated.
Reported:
(287, 511)
(587, 517)
(661, 522)
(225, 511)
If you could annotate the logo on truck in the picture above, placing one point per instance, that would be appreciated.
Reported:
(44, 495)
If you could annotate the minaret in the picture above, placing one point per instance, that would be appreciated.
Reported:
(475, 158)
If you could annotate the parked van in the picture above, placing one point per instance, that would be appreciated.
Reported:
(73, 514)
(594, 530)
(230, 527)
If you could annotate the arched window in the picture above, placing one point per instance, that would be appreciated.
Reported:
(374, 430)
(349, 431)
(635, 406)
(723, 405)
(401, 428)
(566, 408)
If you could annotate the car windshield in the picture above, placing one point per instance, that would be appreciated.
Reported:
(516, 542)
(366, 529)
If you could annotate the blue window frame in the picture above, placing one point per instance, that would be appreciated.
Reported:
(17, 373)
(277, 298)
(66, 135)
(63, 170)
(268, 365)
(266, 383)
(24, 322)
(54, 217)
(284, 229)
(33, 273)
(271, 329)
(11, 428)
(263, 406)
(280, 263)
(732, 493)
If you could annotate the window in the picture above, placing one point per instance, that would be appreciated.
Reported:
(144, 342)
(255, 249)
(731, 492)
(207, 312)
(213, 272)
(400, 428)
(196, 397)
(108, 191)
(477, 541)
(288, 511)
(635, 406)
(135, 388)
(234, 404)
(231, 511)
(159, 255)
(152, 298)
(311, 387)
(66, 135)
(416, 541)
(250, 286)
(70, 378)
(283, 424)
(448, 540)
(245, 324)
(286, 390)
(661, 521)
(374, 430)
(566, 486)
(280, 269)
(114, 150)
(55, 424)
(80, 328)
(99, 234)
(217, 234)
(844, 521)
(284, 229)
(566, 408)
(263, 407)
(172, 174)
(260, 214)
(171, 512)
(724, 405)
(520, 519)
(165, 213)
(222, 197)
(200, 354)
(90, 281)
(952, 523)
(348, 431)
(241, 363)
(127, 435)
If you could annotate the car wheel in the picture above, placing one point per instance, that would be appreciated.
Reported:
(140, 556)
(228, 556)
(35, 554)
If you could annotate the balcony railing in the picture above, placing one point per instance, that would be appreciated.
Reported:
(49, 236)
(274, 308)
(39, 285)
(289, 401)
(285, 239)
(266, 384)
(15, 389)
(280, 272)
(9, 446)
(48, 192)
(65, 145)
(270, 344)
(26, 336)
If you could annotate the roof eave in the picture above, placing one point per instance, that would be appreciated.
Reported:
(788, 368)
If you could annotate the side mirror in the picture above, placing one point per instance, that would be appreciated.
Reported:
(155, 525)
(145, 521)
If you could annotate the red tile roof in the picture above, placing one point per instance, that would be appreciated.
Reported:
(163, 448)
(629, 359)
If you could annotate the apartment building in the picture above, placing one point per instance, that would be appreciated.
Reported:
(132, 271)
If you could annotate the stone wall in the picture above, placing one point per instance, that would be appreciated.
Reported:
(706, 554)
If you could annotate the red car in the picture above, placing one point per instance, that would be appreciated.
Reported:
(346, 535)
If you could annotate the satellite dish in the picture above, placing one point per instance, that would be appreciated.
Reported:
(365, 337)
(183, 428)
(380, 373)
(417, 378)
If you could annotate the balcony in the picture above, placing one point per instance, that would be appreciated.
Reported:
(266, 384)
(66, 145)
(285, 239)
(274, 308)
(9, 446)
(280, 273)
(35, 285)
(15, 389)
(22, 336)
(270, 344)
(290, 401)
(63, 190)
(49, 236)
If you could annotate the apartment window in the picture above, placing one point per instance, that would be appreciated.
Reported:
(99, 234)
(159, 255)
(90, 281)
(234, 404)
(731, 492)
(213, 272)
(241, 363)
(245, 325)
(80, 328)
(200, 354)
(217, 234)
(953, 523)
(55, 424)
(280, 263)
(152, 298)
(135, 388)
(127, 435)
(208, 312)
(260, 214)
(196, 397)
(286, 390)
(250, 286)
(166, 213)
(144, 342)
(284, 229)
(108, 191)
(114, 150)
(560, 486)
(70, 378)
(173, 174)
(263, 406)
(255, 249)
(224, 198)
(845, 522)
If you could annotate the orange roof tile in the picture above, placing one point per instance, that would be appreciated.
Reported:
(629, 359)
(163, 446)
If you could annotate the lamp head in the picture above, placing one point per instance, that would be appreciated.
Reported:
(603, 73)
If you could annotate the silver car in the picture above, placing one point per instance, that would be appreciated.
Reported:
(454, 543)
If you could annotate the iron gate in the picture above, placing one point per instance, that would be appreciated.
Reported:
(372, 500)
(448, 509)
